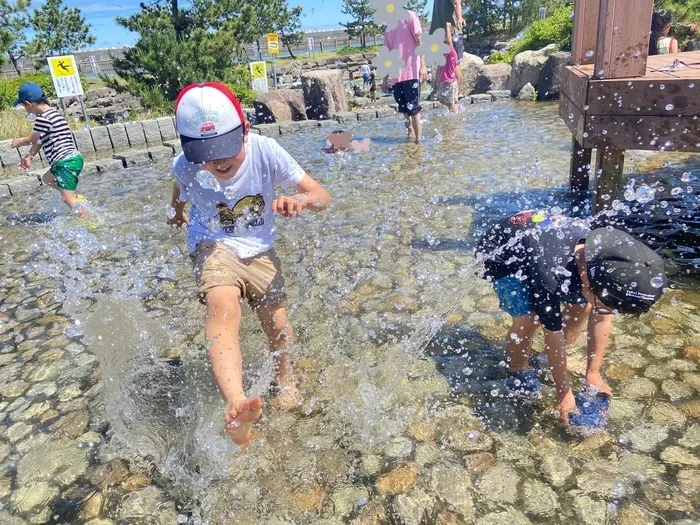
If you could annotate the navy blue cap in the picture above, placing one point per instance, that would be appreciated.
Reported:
(29, 92)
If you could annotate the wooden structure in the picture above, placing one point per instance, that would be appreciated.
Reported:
(616, 98)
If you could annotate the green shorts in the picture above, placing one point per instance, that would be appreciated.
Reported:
(67, 172)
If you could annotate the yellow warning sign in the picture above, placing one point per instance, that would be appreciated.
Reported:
(273, 43)
(62, 66)
(258, 70)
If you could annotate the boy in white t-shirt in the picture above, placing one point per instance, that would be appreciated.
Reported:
(228, 174)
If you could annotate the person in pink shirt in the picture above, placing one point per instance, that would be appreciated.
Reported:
(447, 75)
(406, 37)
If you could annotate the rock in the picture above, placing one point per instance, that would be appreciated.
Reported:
(692, 380)
(638, 388)
(400, 303)
(136, 482)
(480, 462)
(689, 481)
(624, 409)
(690, 439)
(447, 518)
(17, 432)
(279, 106)
(620, 372)
(92, 507)
(451, 483)
(527, 68)
(332, 466)
(147, 503)
(398, 480)
(692, 352)
(421, 431)
(323, 94)
(413, 508)
(676, 390)
(679, 456)
(665, 498)
(309, 497)
(640, 467)
(108, 474)
(468, 441)
(589, 511)
(348, 498)
(509, 517)
(71, 425)
(373, 513)
(646, 437)
(667, 414)
(60, 460)
(500, 485)
(549, 83)
(493, 77)
(427, 453)
(371, 465)
(592, 443)
(527, 92)
(634, 515)
(27, 499)
(691, 408)
(539, 499)
(556, 469)
(502, 94)
(399, 448)
(471, 66)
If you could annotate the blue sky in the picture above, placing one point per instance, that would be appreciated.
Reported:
(101, 13)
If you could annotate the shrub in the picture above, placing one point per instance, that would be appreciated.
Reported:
(9, 88)
(347, 50)
(555, 29)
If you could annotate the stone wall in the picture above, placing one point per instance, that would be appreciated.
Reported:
(349, 66)
(103, 105)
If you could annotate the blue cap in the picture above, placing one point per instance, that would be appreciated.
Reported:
(29, 92)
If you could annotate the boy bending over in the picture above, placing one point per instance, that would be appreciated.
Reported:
(229, 175)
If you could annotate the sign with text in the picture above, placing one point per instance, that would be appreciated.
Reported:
(258, 70)
(273, 43)
(64, 72)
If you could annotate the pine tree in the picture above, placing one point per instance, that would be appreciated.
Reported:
(361, 24)
(13, 40)
(419, 7)
(59, 29)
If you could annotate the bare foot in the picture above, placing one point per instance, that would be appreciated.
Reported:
(240, 419)
(567, 405)
(596, 381)
(288, 397)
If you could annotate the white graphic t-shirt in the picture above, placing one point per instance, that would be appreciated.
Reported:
(238, 212)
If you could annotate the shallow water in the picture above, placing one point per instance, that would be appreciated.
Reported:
(399, 351)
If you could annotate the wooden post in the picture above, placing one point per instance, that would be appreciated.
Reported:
(623, 38)
(320, 43)
(336, 43)
(579, 177)
(608, 177)
(583, 42)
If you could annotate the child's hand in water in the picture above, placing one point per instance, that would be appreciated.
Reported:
(289, 206)
(180, 220)
(25, 163)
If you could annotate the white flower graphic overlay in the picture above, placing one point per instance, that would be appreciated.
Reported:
(388, 62)
(434, 48)
(388, 12)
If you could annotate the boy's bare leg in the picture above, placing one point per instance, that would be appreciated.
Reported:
(409, 127)
(575, 318)
(417, 126)
(50, 180)
(519, 342)
(223, 325)
(555, 346)
(279, 334)
(70, 198)
(599, 327)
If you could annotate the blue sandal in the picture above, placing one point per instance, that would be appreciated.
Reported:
(592, 412)
(524, 384)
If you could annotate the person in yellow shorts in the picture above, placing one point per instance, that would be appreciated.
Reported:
(51, 134)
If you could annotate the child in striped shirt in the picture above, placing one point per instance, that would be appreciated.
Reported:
(52, 134)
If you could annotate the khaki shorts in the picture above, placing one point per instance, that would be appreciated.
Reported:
(259, 278)
(447, 93)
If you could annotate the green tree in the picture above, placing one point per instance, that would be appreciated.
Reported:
(683, 10)
(13, 40)
(361, 23)
(58, 29)
(419, 7)
(275, 16)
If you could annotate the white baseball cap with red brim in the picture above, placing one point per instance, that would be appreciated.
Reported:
(209, 119)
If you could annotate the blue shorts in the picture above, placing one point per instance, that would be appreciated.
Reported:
(515, 298)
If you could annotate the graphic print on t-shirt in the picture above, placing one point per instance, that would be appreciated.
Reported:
(246, 213)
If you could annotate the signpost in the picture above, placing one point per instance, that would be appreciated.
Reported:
(258, 70)
(273, 47)
(310, 46)
(66, 80)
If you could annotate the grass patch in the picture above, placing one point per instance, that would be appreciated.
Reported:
(14, 124)
(342, 52)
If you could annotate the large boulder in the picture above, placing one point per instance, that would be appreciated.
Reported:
(323, 93)
(493, 77)
(471, 66)
(527, 68)
(527, 93)
(550, 78)
(281, 105)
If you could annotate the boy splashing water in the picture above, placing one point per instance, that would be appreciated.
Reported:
(52, 134)
(229, 175)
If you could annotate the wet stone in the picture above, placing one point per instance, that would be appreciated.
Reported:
(371, 465)
(399, 448)
(620, 372)
(13, 389)
(679, 456)
(635, 515)
(589, 511)
(624, 409)
(638, 388)
(509, 517)
(689, 481)
(659, 372)
(71, 425)
(398, 480)
(421, 431)
(28, 499)
(539, 499)
(479, 463)
(59, 460)
(34, 411)
(468, 441)
(692, 352)
(691, 408)
(346, 499)
(413, 508)
(692, 380)
(592, 443)
(108, 474)
(676, 390)
(662, 351)
(150, 503)
(556, 469)
(17, 431)
(450, 483)
(646, 437)
(136, 482)
(691, 438)
(666, 414)
(640, 466)
(92, 507)
(500, 485)
(665, 498)
(427, 453)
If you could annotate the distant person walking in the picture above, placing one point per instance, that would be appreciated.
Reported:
(365, 71)
(450, 12)
(447, 76)
(659, 42)
(406, 37)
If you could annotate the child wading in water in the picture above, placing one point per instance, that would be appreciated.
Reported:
(447, 75)
(536, 263)
(52, 134)
(229, 175)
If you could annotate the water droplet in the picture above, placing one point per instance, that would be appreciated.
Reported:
(670, 107)
(685, 177)
(661, 86)
(207, 181)
(467, 371)
(676, 191)
(645, 194)
(169, 212)
(230, 193)
(589, 53)
(658, 281)
(494, 392)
